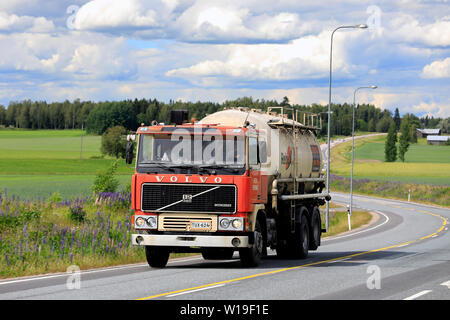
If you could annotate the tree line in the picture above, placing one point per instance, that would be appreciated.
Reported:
(97, 117)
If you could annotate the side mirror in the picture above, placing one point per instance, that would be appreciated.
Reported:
(129, 152)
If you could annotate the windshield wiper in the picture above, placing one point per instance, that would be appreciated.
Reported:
(216, 166)
(158, 164)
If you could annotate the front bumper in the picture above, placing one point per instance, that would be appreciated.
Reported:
(171, 240)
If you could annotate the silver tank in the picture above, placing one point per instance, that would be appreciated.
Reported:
(290, 153)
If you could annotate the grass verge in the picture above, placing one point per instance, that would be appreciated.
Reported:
(338, 222)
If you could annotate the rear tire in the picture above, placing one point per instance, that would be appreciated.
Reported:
(302, 237)
(251, 257)
(297, 244)
(316, 229)
(157, 257)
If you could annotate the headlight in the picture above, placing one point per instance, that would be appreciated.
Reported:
(237, 223)
(224, 223)
(146, 222)
(151, 222)
(231, 224)
(140, 222)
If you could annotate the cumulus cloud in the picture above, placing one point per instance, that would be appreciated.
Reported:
(190, 21)
(67, 56)
(437, 69)
(406, 28)
(102, 14)
(306, 57)
(432, 109)
(218, 50)
(220, 22)
(15, 23)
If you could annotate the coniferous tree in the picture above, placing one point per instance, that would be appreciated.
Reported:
(390, 149)
(404, 139)
(397, 119)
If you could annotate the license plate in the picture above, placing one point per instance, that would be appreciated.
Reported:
(200, 225)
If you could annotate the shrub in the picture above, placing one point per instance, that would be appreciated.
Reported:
(77, 213)
(55, 197)
(113, 142)
(105, 180)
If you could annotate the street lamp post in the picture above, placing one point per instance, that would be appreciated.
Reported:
(353, 152)
(358, 26)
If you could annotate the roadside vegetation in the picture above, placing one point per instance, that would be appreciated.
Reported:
(425, 174)
(338, 222)
(51, 234)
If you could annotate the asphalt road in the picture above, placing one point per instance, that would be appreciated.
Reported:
(404, 255)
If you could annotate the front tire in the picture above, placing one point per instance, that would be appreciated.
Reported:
(157, 257)
(251, 257)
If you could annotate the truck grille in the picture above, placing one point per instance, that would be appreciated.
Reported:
(188, 198)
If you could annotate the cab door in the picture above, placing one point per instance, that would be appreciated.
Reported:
(258, 191)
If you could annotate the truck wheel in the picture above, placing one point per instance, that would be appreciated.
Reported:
(251, 257)
(157, 257)
(301, 245)
(217, 253)
(316, 230)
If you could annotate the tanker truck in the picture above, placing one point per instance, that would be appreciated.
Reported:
(237, 180)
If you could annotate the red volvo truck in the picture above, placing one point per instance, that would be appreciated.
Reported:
(238, 180)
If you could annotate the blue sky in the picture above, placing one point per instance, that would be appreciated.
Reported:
(209, 50)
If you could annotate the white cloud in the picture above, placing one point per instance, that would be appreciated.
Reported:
(219, 22)
(432, 109)
(66, 56)
(406, 28)
(15, 23)
(307, 57)
(106, 13)
(437, 69)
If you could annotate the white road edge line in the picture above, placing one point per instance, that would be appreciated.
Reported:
(417, 295)
(365, 230)
(95, 271)
(191, 291)
(447, 284)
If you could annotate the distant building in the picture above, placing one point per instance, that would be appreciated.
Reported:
(423, 133)
(437, 139)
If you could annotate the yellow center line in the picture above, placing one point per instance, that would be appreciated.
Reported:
(301, 266)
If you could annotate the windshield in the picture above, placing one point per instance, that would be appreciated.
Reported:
(183, 150)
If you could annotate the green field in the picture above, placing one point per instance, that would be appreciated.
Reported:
(424, 164)
(37, 163)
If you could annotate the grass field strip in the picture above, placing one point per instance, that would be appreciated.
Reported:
(215, 284)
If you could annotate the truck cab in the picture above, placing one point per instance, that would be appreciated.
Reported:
(194, 189)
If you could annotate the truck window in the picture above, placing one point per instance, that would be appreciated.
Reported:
(262, 151)
(253, 150)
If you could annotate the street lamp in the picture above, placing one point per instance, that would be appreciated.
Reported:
(358, 26)
(353, 147)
